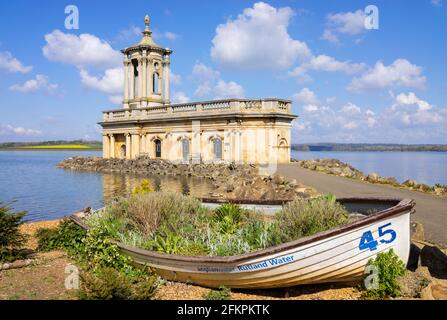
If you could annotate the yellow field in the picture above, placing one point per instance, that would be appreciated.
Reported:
(62, 146)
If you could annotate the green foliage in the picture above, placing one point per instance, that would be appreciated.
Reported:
(177, 224)
(390, 268)
(301, 218)
(11, 240)
(144, 187)
(107, 283)
(67, 236)
(223, 293)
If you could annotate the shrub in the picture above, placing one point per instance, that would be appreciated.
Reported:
(144, 187)
(147, 211)
(109, 284)
(223, 293)
(67, 236)
(300, 218)
(228, 216)
(11, 240)
(389, 268)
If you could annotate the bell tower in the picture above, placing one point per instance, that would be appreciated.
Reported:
(146, 73)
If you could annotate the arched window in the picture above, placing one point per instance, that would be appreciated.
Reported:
(217, 149)
(123, 151)
(157, 144)
(155, 83)
(136, 75)
(185, 149)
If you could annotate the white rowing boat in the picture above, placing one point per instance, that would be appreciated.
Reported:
(336, 255)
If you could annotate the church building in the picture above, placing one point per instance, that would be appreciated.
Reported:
(241, 130)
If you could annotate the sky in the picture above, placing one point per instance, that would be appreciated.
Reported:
(354, 73)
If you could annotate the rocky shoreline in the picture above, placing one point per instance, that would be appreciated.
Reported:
(230, 181)
(339, 168)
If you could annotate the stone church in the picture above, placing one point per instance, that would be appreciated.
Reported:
(241, 130)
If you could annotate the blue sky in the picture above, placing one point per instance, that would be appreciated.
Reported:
(347, 83)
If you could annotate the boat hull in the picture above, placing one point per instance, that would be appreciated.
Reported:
(337, 255)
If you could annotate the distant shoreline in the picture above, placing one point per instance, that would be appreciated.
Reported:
(360, 147)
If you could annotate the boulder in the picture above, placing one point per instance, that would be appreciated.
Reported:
(435, 260)
(410, 183)
(417, 231)
(372, 177)
(436, 290)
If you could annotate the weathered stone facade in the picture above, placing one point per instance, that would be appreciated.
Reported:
(240, 130)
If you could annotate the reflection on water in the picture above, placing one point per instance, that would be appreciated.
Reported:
(120, 185)
(32, 182)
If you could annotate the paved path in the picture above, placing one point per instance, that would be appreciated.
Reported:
(431, 211)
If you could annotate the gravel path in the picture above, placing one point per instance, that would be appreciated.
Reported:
(431, 210)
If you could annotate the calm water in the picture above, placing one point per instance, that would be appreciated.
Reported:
(31, 179)
(424, 167)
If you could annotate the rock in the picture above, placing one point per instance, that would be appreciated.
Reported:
(439, 191)
(412, 283)
(388, 180)
(417, 231)
(436, 290)
(372, 177)
(424, 188)
(278, 179)
(410, 183)
(435, 260)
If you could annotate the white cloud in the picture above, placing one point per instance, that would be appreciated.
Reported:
(226, 90)
(325, 63)
(350, 109)
(436, 3)
(171, 35)
(411, 110)
(408, 119)
(258, 39)
(180, 97)
(83, 51)
(175, 78)
(116, 99)
(306, 96)
(10, 64)
(128, 34)
(8, 129)
(349, 23)
(111, 82)
(401, 73)
(211, 85)
(39, 84)
(202, 72)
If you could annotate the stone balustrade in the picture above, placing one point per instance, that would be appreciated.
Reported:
(203, 108)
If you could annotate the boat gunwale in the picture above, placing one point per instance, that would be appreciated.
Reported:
(403, 205)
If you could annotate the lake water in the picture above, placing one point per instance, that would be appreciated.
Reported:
(424, 167)
(31, 179)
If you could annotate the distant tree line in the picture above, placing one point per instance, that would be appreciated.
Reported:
(368, 147)
(11, 145)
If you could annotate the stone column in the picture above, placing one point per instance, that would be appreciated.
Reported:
(132, 81)
(144, 75)
(128, 146)
(143, 143)
(105, 146)
(112, 146)
(166, 82)
(126, 81)
(140, 77)
(135, 145)
(150, 76)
